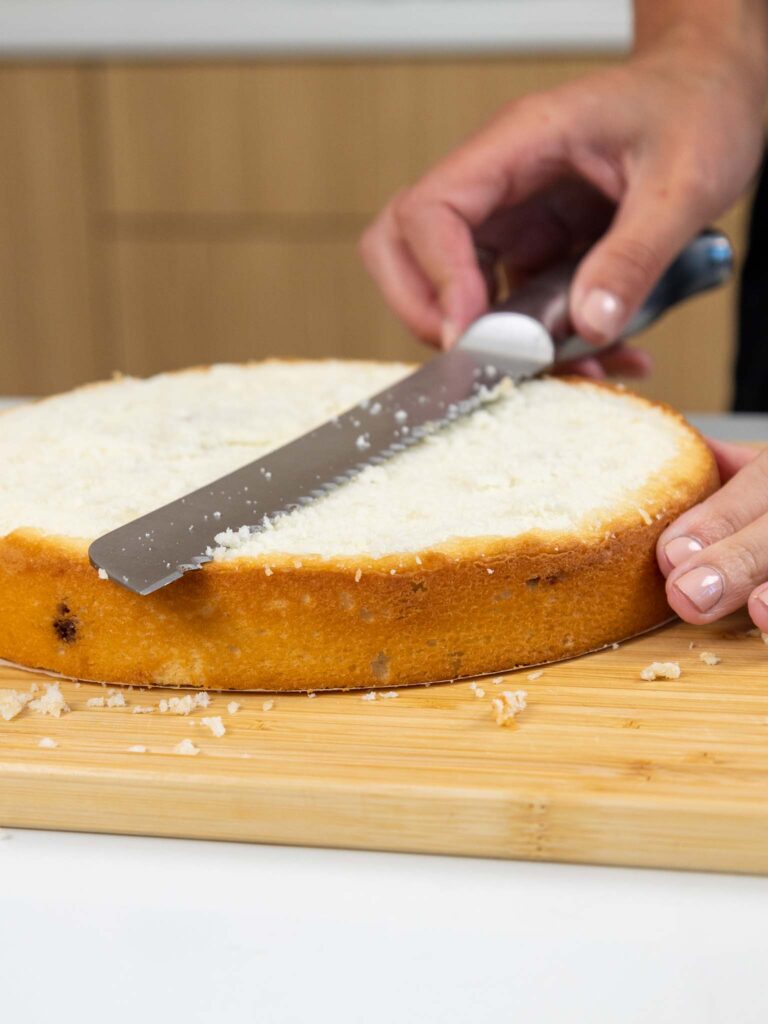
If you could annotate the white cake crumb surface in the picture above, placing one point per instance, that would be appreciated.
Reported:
(116, 700)
(510, 704)
(198, 426)
(51, 703)
(661, 670)
(46, 743)
(369, 696)
(215, 724)
(233, 707)
(103, 574)
(137, 748)
(647, 519)
(709, 658)
(186, 747)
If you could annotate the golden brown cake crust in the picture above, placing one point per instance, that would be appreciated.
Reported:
(472, 606)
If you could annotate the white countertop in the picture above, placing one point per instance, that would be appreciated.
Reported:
(96, 928)
(335, 27)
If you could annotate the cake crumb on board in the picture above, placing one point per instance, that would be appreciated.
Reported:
(186, 747)
(660, 670)
(215, 724)
(267, 705)
(709, 658)
(46, 743)
(233, 707)
(137, 748)
(533, 676)
(51, 703)
(184, 705)
(510, 704)
(12, 703)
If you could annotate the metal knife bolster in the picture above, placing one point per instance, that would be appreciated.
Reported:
(705, 263)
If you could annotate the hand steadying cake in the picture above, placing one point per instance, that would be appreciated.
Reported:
(629, 163)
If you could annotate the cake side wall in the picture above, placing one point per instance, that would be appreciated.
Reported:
(312, 629)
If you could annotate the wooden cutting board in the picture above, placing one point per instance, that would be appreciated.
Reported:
(601, 767)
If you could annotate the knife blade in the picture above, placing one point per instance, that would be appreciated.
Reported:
(511, 343)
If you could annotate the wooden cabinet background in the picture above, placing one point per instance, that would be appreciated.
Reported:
(154, 215)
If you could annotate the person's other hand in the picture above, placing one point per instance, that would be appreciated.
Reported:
(639, 156)
(715, 556)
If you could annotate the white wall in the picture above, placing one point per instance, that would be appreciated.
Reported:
(70, 27)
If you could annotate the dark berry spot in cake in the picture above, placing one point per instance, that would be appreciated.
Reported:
(65, 625)
(418, 585)
(533, 582)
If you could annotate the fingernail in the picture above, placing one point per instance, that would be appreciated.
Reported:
(603, 312)
(448, 334)
(681, 548)
(762, 597)
(702, 586)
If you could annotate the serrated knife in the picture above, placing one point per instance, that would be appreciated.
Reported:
(529, 334)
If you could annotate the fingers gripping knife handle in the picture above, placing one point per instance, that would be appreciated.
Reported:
(705, 263)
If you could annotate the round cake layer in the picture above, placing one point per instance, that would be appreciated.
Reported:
(522, 533)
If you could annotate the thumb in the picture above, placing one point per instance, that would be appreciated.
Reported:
(651, 226)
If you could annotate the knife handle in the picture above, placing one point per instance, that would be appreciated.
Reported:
(704, 263)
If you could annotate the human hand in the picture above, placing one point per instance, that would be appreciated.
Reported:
(715, 556)
(639, 157)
